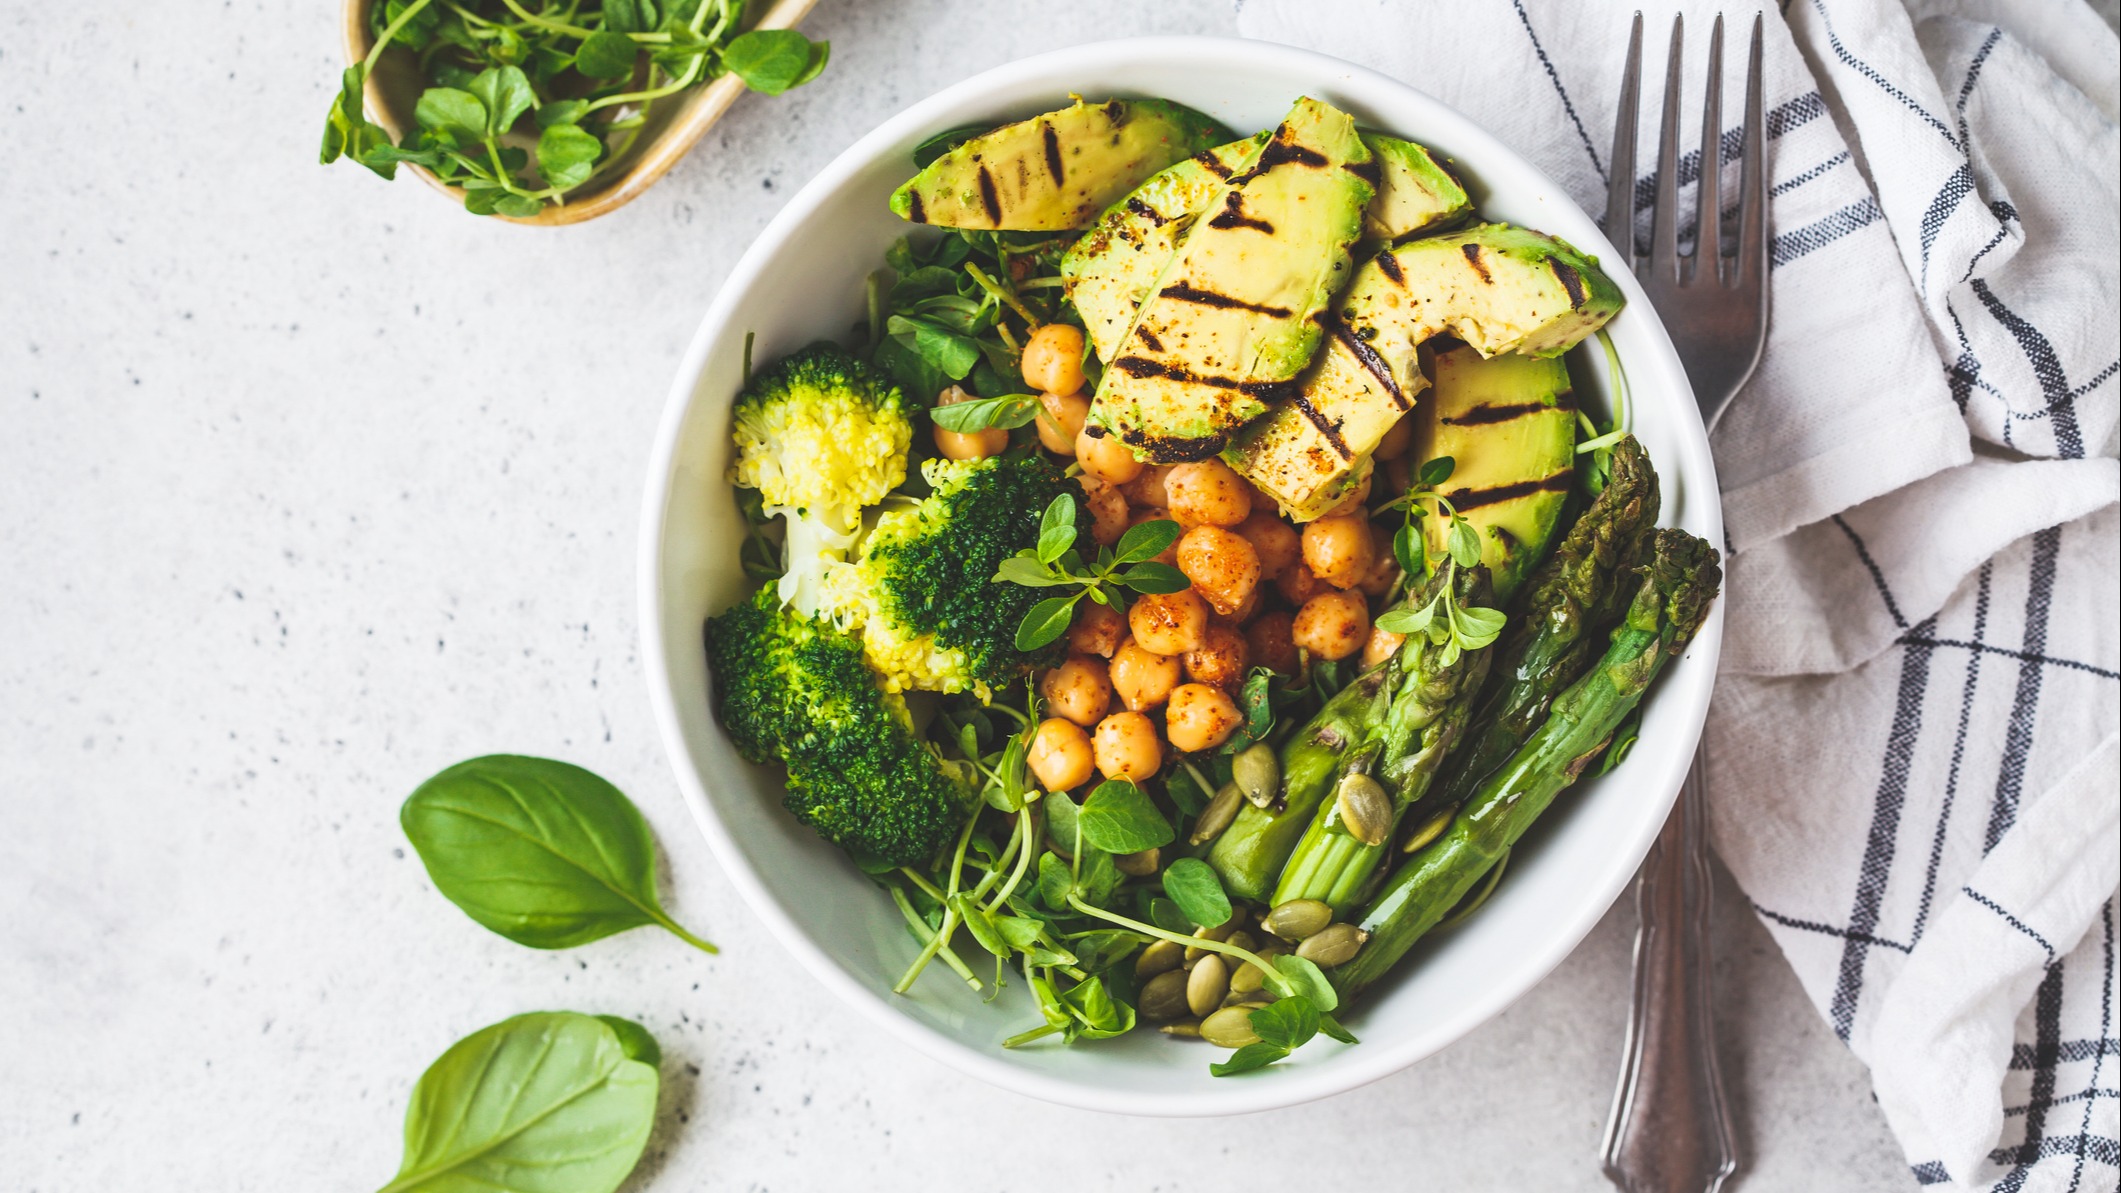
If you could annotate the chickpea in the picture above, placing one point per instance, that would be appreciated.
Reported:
(1200, 717)
(1169, 623)
(1382, 575)
(1108, 510)
(1053, 359)
(1060, 421)
(1060, 755)
(1222, 565)
(1339, 550)
(1353, 502)
(1168, 554)
(1269, 643)
(973, 445)
(1221, 658)
(1078, 690)
(1244, 612)
(1275, 541)
(1382, 645)
(1097, 629)
(1332, 625)
(1207, 493)
(1299, 584)
(1142, 677)
(1147, 487)
(1105, 457)
(1396, 440)
(1127, 747)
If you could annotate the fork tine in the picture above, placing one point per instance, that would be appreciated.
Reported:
(1620, 185)
(1664, 216)
(1708, 208)
(1752, 181)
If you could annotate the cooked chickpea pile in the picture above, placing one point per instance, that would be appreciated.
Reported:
(1164, 674)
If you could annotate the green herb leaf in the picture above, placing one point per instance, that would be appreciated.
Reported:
(1119, 817)
(1289, 1023)
(505, 90)
(1045, 622)
(1436, 472)
(455, 114)
(606, 55)
(1025, 569)
(1146, 541)
(1407, 548)
(1330, 1028)
(1092, 1006)
(1476, 627)
(1056, 529)
(562, 111)
(1061, 815)
(1196, 890)
(1255, 701)
(1018, 932)
(1166, 915)
(546, 854)
(518, 206)
(1154, 577)
(629, 16)
(774, 60)
(1248, 1058)
(1464, 543)
(635, 1040)
(951, 354)
(1299, 977)
(567, 155)
(980, 924)
(1407, 621)
(554, 1092)
(1185, 791)
(1008, 412)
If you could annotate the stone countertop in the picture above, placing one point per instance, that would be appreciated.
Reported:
(311, 485)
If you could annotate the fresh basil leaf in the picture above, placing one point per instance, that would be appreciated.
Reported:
(1045, 623)
(1436, 472)
(552, 1093)
(1330, 1028)
(1056, 529)
(635, 1041)
(1196, 890)
(943, 142)
(1300, 977)
(1154, 577)
(1248, 1058)
(1289, 1023)
(606, 55)
(505, 91)
(1027, 571)
(567, 155)
(773, 60)
(546, 854)
(1146, 541)
(951, 354)
(1119, 817)
(1007, 412)
(1464, 543)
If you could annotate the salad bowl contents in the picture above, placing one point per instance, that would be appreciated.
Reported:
(1188, 580)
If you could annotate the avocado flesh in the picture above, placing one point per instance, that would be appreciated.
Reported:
(1509, 424)
(1498, 288)
(1055, 172)
(1111, 267)
(1415, 192)
(1234, 315)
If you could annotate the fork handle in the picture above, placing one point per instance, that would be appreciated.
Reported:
(1670, 1130)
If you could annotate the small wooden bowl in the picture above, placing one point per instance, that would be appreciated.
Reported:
(672, 128)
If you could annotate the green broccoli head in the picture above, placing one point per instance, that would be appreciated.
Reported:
(923, 594)
(795, 690)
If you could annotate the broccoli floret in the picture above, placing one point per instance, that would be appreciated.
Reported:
(820, 435)
(796, 690)
(923, 592)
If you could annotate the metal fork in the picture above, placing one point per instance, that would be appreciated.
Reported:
(1670, 1130)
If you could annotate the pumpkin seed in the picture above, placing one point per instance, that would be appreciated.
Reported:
(1230, 1027)
(1365, 809)
(1241, 939)
(1162, 956)
(1220, 932)
(1164, 996)
(1337, 944)
(1207, 984)
(1299, 918)
(1217, 815)
(1249, 999)
(1257, 773)
(1430, 829)
(1247, 979)
(1187, 1028)
(1138, 865)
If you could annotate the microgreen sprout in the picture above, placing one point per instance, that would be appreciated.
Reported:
(1055, 563)
(1442, 620)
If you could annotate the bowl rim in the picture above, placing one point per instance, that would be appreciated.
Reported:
(1371, 1061)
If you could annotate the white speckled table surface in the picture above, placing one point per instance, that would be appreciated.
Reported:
(311, 485)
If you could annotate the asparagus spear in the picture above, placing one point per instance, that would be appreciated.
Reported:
(1429, 707)
(1578, 594)
(1678, 583)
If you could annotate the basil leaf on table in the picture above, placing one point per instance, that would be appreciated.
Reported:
(550, 1102)
(546, 854)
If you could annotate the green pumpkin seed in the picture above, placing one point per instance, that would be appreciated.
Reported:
(1230, 1027)
(1247, 979)
(1185, 1028)
(1162, 956)
(1207, 983)
(1430, 829)
(1164, 996)
(1249, 999)
(1138, 865)
(1299, 918)
(1257, 773)
(1220, 932)
(1335, 945)
(1365, 809)
(1241, 939)
(1217, 815)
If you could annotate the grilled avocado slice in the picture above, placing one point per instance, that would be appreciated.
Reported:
(1234, 316)
(1416, 192)
(1498, 288)
(1055, 172)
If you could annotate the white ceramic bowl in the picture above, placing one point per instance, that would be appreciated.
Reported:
(802, 279)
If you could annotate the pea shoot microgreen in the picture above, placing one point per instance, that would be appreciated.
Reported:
(1599, 446)
(1055, 563)
(587, 78)
(1007, 412)
(1442, 619)
(956, 308)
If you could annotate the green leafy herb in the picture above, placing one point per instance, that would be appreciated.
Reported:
(1131, 563)
(1118, 817)
(1598, 445)
(546, 854)
(541, 1103)
(1442, 620)
(1196, 890)
(774, 60)
(1008, 412)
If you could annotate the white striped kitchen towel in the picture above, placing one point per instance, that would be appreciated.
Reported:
(1916, 745)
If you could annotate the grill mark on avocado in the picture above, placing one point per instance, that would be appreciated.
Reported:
(1501, 413)
(1209, 298)
(1135, 205)
(1571, 281)
(1278, 153)
(1388, 263)
(1142, 366)
(1371, 362)
(1326, 427)
(1233, 215)
(987, 198)
(916, 211)
(1212, 164)
(1468, 499)
(1053, 154)
(1372, 172)
(1149, 337)
(1472, 252)
(1167, 449)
